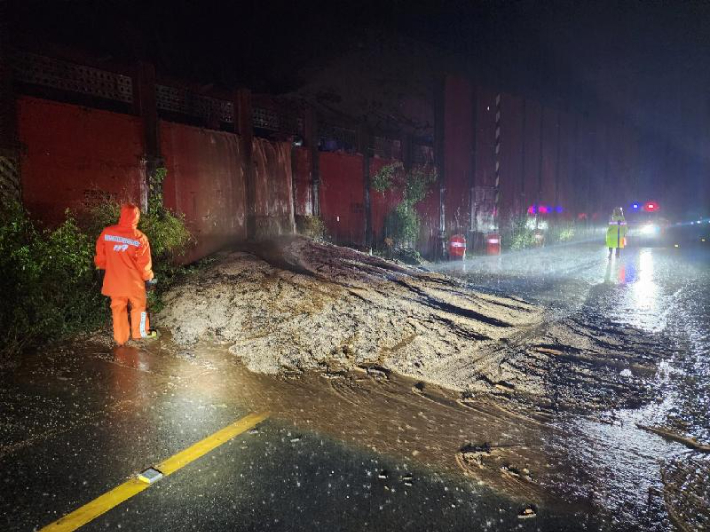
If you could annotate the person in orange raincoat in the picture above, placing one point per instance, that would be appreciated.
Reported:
(124, 252)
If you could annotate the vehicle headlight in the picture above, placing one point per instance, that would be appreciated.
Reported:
(650, 229)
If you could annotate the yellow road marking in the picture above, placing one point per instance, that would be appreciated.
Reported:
(125, 491)
(202, 447)
(98, 506)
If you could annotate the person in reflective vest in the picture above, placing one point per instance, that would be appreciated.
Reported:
(616, 232)
(124, 253)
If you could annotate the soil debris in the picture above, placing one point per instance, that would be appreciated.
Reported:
(297, 305)
(687, 492)
(689, 442)
(472, 455)
(305, 305)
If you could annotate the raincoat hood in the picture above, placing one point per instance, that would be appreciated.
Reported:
(130, 215)
(617, 215)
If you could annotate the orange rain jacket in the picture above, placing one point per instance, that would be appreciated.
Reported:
(124, 252)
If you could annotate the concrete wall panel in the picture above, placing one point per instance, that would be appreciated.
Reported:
(342, 197)
(511, 168)
(205, 182)
(77, 157)
(458, 160)
(532, 152)
(273, 183)
(301, 165)
(550, 145)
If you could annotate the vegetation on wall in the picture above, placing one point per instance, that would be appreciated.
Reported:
(50, 287)
(519, 232)
(402, 222)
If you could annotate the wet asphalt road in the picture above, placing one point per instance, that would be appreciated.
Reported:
(662, 290)
(76, 422)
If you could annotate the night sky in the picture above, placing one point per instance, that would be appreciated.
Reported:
(646, 63)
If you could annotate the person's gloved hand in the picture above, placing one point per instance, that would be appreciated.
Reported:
(150, 285)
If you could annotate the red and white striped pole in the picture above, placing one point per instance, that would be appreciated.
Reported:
(497, 159)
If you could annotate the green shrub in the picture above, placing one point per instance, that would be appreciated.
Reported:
(50, 287)
(409, 256)
(518, 234)
(562, 232)
(385, 179)
(402, 223)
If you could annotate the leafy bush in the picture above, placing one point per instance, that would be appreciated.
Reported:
(385, 179)
(562, 232)
(418, 183)
(518, 234)
(402, 223)
(409, 256)
(50, 287)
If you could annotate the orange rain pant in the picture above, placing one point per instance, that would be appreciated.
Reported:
(139, 317)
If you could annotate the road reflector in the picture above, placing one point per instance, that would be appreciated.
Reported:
(137, 484)
(150, 475)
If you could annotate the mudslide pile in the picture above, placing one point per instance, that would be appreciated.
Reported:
(294, 305)
(300, 305)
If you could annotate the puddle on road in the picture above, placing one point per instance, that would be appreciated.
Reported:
(370, 409)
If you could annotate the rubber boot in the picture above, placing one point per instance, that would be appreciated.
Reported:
(152, 334)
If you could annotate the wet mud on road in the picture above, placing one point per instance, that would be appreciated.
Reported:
(296, 305)
(564, 459)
